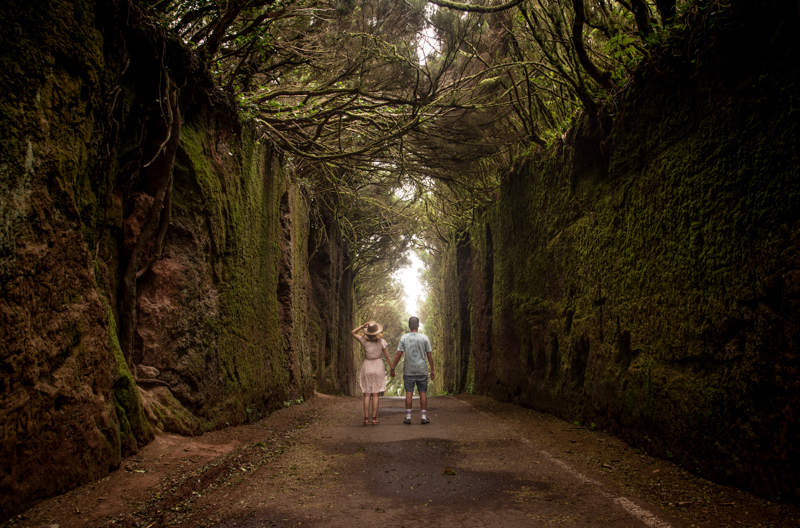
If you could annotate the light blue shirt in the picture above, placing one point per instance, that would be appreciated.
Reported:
(415, 346)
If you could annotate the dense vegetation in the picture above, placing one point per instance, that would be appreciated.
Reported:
(399, 116)
(290, 154)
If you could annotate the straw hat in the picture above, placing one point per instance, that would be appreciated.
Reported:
(373, 328)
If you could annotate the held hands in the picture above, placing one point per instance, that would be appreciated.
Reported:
(391, 373)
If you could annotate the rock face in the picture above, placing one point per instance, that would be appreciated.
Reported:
(330, 313)
(244, 307)
(646, 282)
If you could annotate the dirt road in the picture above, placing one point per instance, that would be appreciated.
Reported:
(478, 464)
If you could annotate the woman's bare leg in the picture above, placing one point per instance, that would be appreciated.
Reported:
(375, 405)
(366, 407)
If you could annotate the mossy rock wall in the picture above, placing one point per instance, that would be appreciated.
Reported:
(334, 358)
(232, 321)
(647, 282)
(62, 422)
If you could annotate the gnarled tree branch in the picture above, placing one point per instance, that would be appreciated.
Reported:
(469, 8)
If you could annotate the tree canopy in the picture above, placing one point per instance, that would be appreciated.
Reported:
(401, 114)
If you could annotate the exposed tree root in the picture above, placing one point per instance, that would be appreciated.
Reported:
(159, 169)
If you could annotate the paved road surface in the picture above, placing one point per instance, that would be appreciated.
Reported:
(466, 468)
(479, 463)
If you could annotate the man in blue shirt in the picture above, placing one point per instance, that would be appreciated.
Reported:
(416, 347)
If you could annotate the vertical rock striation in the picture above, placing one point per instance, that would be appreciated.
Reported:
(646, 281)
(237, 310)
(331, 308)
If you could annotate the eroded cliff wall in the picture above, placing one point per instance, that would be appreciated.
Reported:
(647, 281)
(245, 304)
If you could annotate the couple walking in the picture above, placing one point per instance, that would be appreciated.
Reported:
(372, 377)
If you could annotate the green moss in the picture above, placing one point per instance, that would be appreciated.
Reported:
(652, 298)
(135, 429)
(172, 417)
(241, 196)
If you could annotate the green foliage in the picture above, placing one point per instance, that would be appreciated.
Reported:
(289, 403)
(345, 89)
(624, 50)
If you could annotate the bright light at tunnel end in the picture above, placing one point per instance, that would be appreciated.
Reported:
(409, 278)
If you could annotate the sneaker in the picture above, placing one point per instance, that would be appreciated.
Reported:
(407, 421)
(425, 421)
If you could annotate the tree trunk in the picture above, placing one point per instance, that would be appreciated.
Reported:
(601, 77)
(641, 13)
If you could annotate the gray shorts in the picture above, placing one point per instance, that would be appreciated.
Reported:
(421, 382)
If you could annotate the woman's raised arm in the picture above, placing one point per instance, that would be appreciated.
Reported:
(355, 331)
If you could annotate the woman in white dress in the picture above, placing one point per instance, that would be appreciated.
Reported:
(372, 378)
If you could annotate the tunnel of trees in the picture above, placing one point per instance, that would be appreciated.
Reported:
(200, 198)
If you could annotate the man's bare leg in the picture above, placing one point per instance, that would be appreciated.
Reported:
(423, 404)
(409, 396)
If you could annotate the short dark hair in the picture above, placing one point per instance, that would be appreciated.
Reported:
(413, 323)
